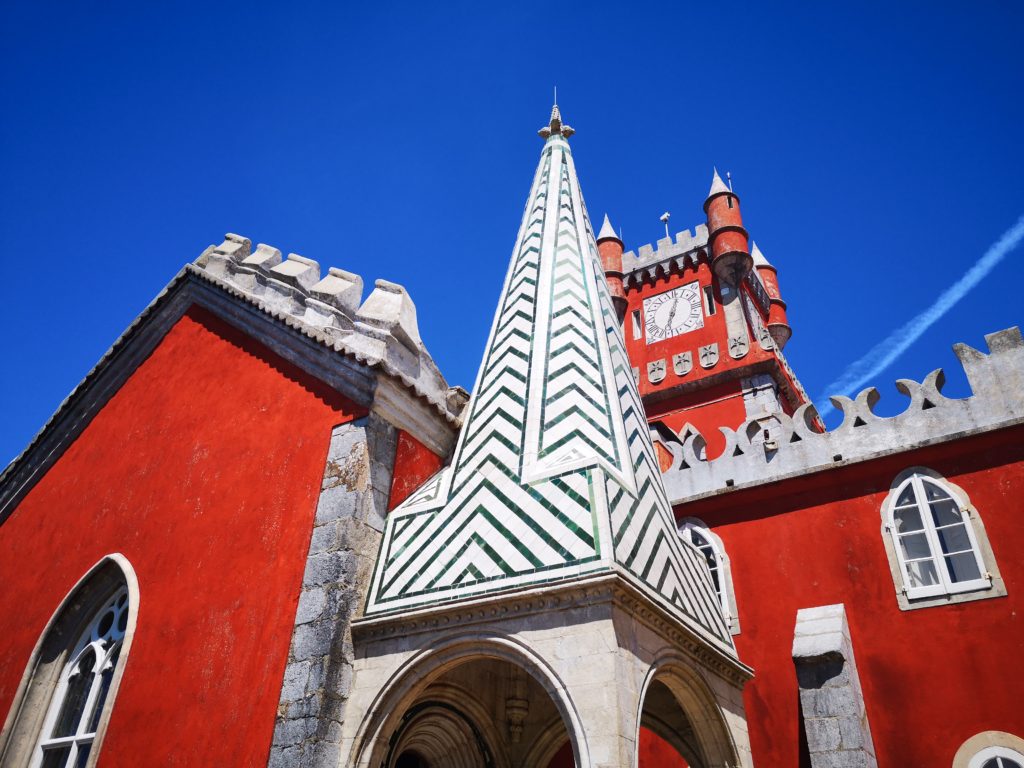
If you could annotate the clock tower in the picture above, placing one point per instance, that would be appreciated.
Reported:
(705, 325)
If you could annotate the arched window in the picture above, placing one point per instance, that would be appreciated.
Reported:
(697, 533)
(69, 727)
(936, 539)
(997, 757)
(64, 702)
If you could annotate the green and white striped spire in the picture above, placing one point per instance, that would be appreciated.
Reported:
(554, 476)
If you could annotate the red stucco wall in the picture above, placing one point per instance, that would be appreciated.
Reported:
(655, 752)
(204, 471)
(414, 464)
(931, 677)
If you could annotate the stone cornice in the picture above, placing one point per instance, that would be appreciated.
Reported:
(614, 588)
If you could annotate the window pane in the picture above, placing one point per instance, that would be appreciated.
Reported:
(101, 697)
(954, 539)
(55, 758)
(83, 755)
(908, 519)
(945, 512)
(933, 492)
(962, 567)
(74, 697)
(914, 546)
(922, 573)
(906, 498)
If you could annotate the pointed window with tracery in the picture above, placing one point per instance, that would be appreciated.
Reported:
(71, 721)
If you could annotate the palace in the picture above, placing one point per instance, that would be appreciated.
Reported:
(265, 531)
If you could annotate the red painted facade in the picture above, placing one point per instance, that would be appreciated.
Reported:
(204, 471)
(817, 540)
(414, 464)
(654, 752)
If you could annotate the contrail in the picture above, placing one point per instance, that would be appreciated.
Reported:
(881, 356)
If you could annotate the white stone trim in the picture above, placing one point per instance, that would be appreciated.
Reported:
(987, 744)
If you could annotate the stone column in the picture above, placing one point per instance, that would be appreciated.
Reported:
(836, 722)
(346, 536)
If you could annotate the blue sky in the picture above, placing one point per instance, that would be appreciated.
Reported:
(877, 149)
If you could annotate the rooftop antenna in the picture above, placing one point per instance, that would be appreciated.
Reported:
(664, 220)
(728, 177)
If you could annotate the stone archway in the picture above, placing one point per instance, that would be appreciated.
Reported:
(680, 720)
(472, 703)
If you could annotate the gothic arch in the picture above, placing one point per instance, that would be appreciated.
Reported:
(32, 699)
(691, 692)
(383, 717)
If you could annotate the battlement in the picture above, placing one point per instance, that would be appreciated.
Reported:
(381, 331)
(775, 446)
(665, 255)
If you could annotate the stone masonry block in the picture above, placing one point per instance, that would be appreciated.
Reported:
(265, 258)
(295, 676)
(297, 271)
(823, 734)
(329, 568)
(311, 640)
(311, 605)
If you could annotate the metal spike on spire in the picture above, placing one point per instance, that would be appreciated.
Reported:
(555, 126)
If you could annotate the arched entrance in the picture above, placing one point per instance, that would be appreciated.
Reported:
(680, 723)
(467, 706)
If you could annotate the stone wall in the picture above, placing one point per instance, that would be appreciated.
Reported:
(344, 543)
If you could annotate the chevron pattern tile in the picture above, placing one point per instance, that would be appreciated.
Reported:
(554, 474)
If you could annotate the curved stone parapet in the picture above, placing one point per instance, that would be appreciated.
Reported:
(795, 445)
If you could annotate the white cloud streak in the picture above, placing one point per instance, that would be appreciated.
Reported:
(883, 354)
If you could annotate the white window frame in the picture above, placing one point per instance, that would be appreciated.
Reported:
(988, 753)
(727, 595)
(946, 591)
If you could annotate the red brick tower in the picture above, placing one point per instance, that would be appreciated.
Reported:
(705, 326)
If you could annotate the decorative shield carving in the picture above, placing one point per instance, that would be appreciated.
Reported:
(738, 346)
(708, 355)
(765, 339)
(682, 363)
(656, 371)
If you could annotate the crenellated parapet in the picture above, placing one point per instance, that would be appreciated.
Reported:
(380, 331)
(651, 261)
(776, 446)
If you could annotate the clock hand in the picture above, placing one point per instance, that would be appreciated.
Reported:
(672, 313)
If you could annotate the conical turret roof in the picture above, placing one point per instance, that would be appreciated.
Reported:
(758, 257)
(717, 185)
(554, 477)
(607, 230)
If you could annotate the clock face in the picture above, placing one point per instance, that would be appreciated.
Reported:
(673, 312)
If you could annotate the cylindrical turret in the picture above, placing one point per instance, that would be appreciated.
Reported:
(778, 324)
(727, 239)
(610, 247)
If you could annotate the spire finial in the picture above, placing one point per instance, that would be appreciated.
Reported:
(555, 126)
